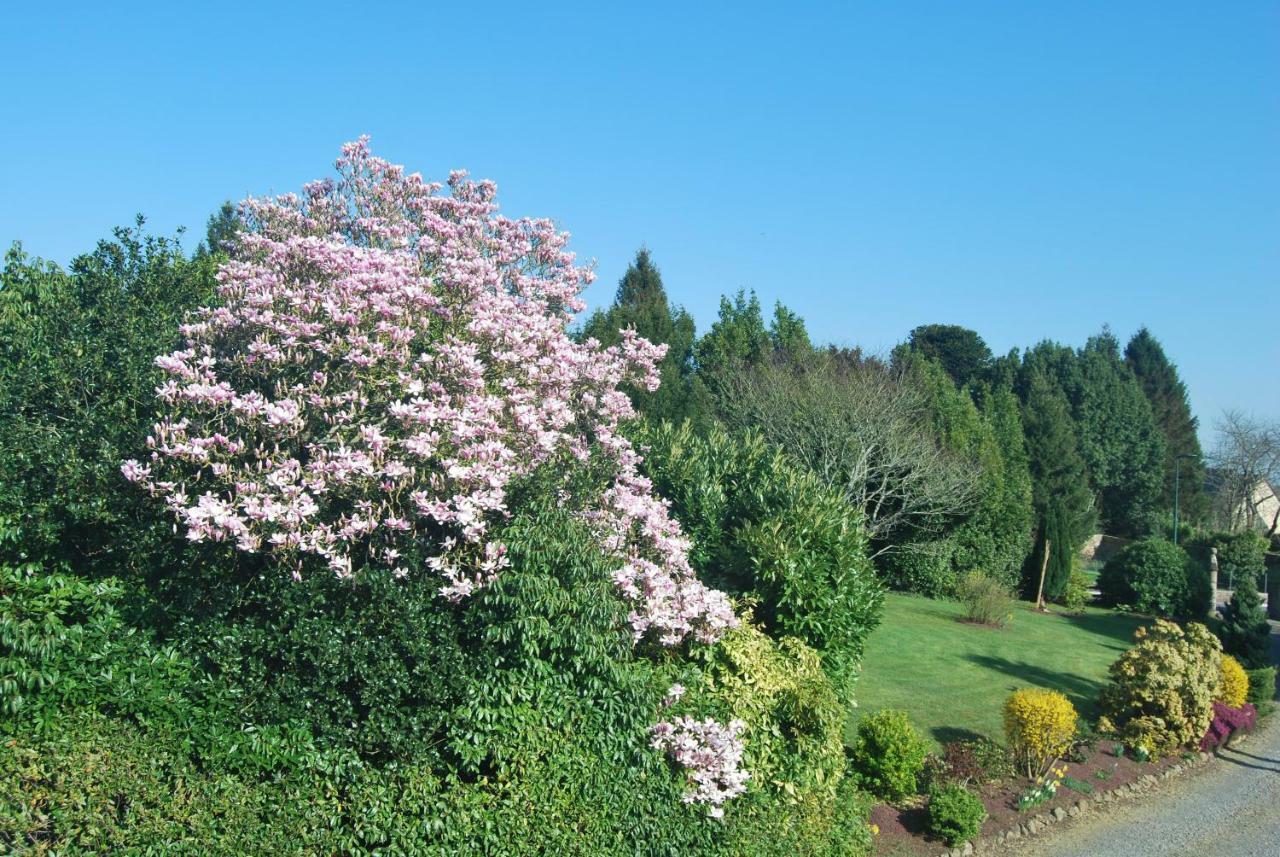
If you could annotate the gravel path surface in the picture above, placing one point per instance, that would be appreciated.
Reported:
(1231, 807)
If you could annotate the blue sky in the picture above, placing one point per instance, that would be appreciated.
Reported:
(1029, 170)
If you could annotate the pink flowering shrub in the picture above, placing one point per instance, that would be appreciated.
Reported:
(386, 363)
(1226, 722)
(710, 753)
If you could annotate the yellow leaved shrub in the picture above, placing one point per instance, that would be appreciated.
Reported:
(1040, 726)
(1233, 691)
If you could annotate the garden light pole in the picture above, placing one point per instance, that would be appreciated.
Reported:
(1177, 472)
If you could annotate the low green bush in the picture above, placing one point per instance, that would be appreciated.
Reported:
(955, 814)
(986, 601)
(1152, 576)
(1262, 685)
(925, 569)
(1075, 595)
(888, 755)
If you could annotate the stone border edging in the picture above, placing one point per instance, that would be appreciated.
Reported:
(1045, 820)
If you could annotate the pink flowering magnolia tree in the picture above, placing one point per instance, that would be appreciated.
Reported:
(386, 361)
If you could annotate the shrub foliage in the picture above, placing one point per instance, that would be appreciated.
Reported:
(955, 814)
(773, 535)
(1234, 690)
(1039, 726)
(888, 755)
(1151, 576)
(1162, 690)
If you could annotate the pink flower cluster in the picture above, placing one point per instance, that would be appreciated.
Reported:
(385, 361)
(711, 755)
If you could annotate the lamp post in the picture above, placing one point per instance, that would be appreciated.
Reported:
(1177, 473)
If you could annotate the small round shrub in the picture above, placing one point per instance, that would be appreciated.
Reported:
(1076, 593)
(1151, 576)
(955, 814)
(1234, 690)
(888, 755)
(1161, 692)
(986, 600)
(1039, 725)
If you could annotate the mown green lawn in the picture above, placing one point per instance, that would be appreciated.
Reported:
(952, 677)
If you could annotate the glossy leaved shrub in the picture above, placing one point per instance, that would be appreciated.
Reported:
(1153, 576)
(772, 535)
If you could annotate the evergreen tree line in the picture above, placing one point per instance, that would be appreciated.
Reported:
(961, 460)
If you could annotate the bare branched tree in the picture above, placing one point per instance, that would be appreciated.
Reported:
(1246, 464)
(865, 429)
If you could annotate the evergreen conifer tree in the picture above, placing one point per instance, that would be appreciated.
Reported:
(1059, 481)
(1245, 632)
(641, 303)
(1172, 412)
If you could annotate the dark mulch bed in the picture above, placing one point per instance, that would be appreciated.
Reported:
(902, 828)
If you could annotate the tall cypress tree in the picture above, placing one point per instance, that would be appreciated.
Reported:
(1172, 412)
(1059, 480)
(1119, 440)
(641, 303)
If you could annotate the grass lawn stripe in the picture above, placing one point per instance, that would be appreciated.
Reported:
(952, 677)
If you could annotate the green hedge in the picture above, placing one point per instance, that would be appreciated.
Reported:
(114, 744)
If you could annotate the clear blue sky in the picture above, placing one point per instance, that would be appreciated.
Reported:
(1030, 170)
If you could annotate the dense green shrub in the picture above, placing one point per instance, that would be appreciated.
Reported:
(986, 601)
(773, 535)
(1151, 576)
(63, 644)
(1161, 692)
(888, 755)
(122, 746)
(1262, 685)
(925, 568)
(76, 393)
(955, 814)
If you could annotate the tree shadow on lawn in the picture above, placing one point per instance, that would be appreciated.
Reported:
(947, 734)
(1110, 625)
(1082, 692)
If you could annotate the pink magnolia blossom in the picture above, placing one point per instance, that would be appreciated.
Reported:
(386, 360)
(710, 753)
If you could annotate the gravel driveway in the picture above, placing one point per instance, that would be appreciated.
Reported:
(1232, 807)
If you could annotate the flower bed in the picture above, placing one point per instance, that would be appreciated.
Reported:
(902, 828)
